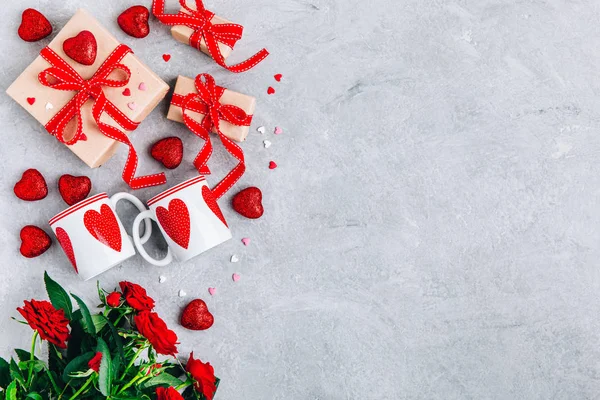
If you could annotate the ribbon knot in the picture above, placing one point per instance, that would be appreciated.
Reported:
(200, 21)
(207, 102)
(61, 76)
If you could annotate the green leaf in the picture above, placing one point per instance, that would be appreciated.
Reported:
(105, 374)
(99, 321)
(101, 294)
(11, 391)
(4, 373)
(34, 396)
(24, 355)
(58, 297)
(15, 372)
(88, 323)
(37, 365)
(163, 379)
(78, 364)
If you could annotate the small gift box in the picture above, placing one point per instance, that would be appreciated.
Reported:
(202, 29)
(205, 107)
(88, 107)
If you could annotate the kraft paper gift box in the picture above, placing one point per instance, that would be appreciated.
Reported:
(97, 149)
(247, 103)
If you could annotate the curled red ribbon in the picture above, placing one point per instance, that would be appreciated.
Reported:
(64, 77)
(206, 102)
(200, 21)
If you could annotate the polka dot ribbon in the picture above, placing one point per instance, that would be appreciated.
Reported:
(200, 21)
(61, 76)
(206, 102)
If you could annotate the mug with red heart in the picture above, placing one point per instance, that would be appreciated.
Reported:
(92, 235)
(189, 218)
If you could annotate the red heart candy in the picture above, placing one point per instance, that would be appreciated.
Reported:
(270, 90)
(272, 165)
(82, 48)
(34, 241)
(31, 100)
(176, 222)
(278, 77)
(32, 186)
(126, 92)
(248, 203)
(134, 21)
(166, 57)
(34, 26)
(168, 151)
(73, 189)
(104, 227)
(196, 316)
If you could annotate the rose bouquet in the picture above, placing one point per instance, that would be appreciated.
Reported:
(111, 354)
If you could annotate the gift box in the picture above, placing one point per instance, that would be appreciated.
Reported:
(185, 86)
(55, 90)
(196, 26)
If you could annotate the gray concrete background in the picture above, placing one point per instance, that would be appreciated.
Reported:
(432, 229)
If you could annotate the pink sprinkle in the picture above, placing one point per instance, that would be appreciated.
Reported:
(272, 165)
(212, 291)
(132, 106)
(246, 241)
(235, 277)
(143, 87)
(278, 130)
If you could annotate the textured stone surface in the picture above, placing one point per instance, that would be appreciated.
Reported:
(432, 229)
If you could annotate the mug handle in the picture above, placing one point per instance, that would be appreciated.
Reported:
(139, 205)
(147, 216)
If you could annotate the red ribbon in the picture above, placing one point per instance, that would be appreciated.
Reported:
(64, 77)
(200, 21)
(206, 102)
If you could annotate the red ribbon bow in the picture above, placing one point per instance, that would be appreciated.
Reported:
(206, 102)
(64, 77)
(200, 21)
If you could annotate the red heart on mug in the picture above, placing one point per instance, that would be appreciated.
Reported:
(34, 241)
(134, 21)
(176, 222)
(82, 48)
(34, 26)
(73, 189)
(65, 242)
(32, 186)
(248, 203)
(104, 227)
(211, 202)
(196, 316)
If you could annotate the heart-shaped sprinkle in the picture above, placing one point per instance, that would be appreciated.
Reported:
(127, 92)
(278, 130)
(278, 77)
(34, 26)
(235, 277)
(212, 291)
(143, 87)
(34, 241)
(32, 186)
(134, 21)
(270, 90)
(248, 203)
(267, 144)
(246, 241)
(31, 100)
(73, 189)
(272, 165)
(82, 48)
(166, 57)
(261, 130)
(132, 105)
(196, 316)
(162, 279)
(234, 258)
(49, 106)
(182, 293)
(168, 151)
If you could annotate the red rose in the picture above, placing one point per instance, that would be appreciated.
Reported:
(168, 394)
(155, 330)
(50, 323)
(204, 375)
(94, 363)
(114, 299)
(136, 296)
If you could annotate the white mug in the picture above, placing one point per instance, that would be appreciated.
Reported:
(92, 235)
(189, 218)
